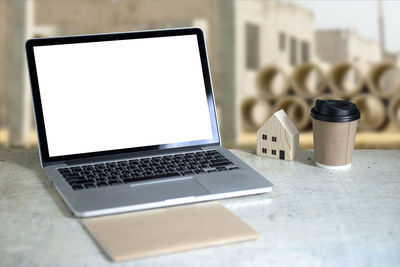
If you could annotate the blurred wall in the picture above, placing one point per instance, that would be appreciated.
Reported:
(281, 30)
(86, 17)
(4, 59)
(334, 46)
(72, 18)
(244, 39)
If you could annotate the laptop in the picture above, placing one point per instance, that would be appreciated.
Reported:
(127, 121)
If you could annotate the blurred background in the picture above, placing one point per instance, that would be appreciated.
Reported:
(264, 56)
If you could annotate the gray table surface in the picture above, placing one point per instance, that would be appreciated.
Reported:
(313, 217)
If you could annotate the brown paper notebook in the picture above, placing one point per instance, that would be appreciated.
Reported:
(159, 231)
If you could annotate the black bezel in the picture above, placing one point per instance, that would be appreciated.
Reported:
(40, 125)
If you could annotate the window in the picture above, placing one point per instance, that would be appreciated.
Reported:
(305, 51)
(264, 150)
(273, 138)
(264, 137)
(293, 51)
(273, 152)
(252, 46)
(282, 41)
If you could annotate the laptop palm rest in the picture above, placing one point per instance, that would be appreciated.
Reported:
(174, 189)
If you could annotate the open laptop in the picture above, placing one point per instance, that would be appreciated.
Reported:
(126, 121)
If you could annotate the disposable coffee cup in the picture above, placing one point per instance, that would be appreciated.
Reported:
(334, 129)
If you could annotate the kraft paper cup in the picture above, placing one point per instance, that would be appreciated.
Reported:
(334, 130)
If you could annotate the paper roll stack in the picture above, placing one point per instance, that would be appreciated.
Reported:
(297, 110)
(346, 79)
(373, 114)
(273, 81)
(384, 80)
(308, 80)
(375, 90)
(394, 110)
(255, 112)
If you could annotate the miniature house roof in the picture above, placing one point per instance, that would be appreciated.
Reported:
(286, 122)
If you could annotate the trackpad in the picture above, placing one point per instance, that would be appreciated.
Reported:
(170, 189)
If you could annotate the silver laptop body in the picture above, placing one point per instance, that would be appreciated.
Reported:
(113, 108)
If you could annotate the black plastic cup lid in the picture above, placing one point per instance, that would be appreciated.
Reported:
(335, 111)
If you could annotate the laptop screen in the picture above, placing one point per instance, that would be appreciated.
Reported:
(110, 95)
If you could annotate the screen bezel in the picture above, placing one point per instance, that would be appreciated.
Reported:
(37, 103)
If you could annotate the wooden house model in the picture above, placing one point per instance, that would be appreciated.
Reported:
(278, 137)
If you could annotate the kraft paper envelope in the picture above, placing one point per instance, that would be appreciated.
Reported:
(159, 231)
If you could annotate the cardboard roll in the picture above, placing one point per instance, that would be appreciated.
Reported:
(394, 110)
(328, 97)
(309, 80)
(297, 110)
(373, 114)
(346, 79)
(255, 112)
(384, 80)
(273, 81)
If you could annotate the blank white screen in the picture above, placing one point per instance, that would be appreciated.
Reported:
(122, 94)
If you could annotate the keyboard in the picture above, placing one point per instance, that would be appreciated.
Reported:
(139, 169)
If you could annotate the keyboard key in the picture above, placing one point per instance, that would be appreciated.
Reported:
(90, 185)
(88, 168)
(130, 180)
(115, 182)
(100, 166)
(223, 163)
(64, 171)
(72, 176)
(158, 176)
(186, 172)
(77, 187)
(76, 182)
